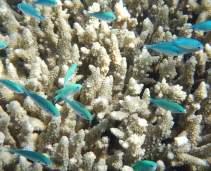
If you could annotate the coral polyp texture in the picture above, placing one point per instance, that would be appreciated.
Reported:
(118, 75)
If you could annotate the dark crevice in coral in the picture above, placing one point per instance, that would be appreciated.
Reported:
(113, 143)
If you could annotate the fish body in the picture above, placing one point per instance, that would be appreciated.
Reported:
(67, 90)
(43, 103)
(104, 15)
(188, 43)
(30, 11)
(32, 155)
(11, 85)
(2, 45)
(79, 109)
(69, 73)
(203, 26)
(166, 48)
(168, 105)
(144, 165)
(47, 3)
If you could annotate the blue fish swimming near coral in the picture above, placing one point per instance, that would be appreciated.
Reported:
(69, 73)
(11, 85)
(104, 15)
(47, 3)
(30, 11)
(203, 26)
(43, 103)
(2, 45)
(31, 155)
(67, 90)
(79, 109)
(168, 105)
(144, 165)
(166, 48)
(188, 44)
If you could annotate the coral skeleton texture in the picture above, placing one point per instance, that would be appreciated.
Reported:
(117, 74)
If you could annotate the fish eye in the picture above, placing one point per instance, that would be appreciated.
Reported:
(46, 163)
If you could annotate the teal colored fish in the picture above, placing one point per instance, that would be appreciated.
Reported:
(67, 90)
(144, 165)
(47, 3)
(188, 44)
(168, 105)
(166, 48)
(11, 85)
(105, 16)
(69, 73)
(2, 45)
(203, 26)
(43, 103)
(30, 11)
(32, 155)
(79, 109)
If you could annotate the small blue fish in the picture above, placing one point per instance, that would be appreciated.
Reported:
(144, 165)
(30, 11)
(79, 109)
(68, 90)
(203, 26)
(168, 105)
(32, 155)
(43, 103)
(47, 3)
(11, 85)
(105, 16)
(188, 43)
(69, 73)
(166, 48)
(2, 45)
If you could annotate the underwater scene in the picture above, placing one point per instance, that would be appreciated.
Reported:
(105, 85)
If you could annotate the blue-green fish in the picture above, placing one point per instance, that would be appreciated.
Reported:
(188, 44)
(30, 11)
(67, 90)
(105, 16)
(79, 109)
(144, 165)
(43, 103)
(69, 73)
(32, 155)
(11, 85)
(2, 45)
(166, 48)
(203, 26)
(168, 105)
(47, 3)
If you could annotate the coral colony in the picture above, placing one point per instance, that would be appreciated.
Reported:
(105, 85)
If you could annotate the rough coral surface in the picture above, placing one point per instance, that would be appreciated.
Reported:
(117, 75)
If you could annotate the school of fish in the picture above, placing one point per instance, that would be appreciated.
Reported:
(175, 47)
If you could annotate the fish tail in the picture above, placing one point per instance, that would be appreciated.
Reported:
(56, 98)
(85, 11)
(187, 26)
(6, 149)
(147, 46)
(42, 18)
(58, 91)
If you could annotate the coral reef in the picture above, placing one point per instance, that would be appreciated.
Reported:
(117, 75)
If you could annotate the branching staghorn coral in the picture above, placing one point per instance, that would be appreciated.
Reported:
(117, 74)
